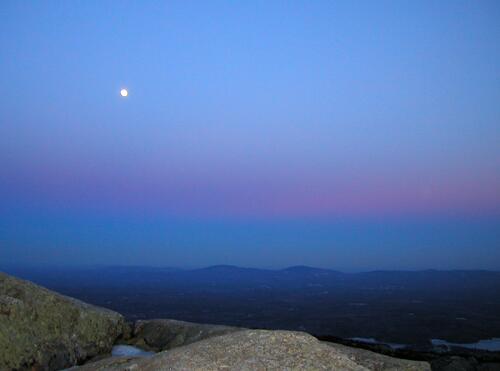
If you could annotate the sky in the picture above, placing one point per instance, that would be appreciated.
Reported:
(349, 135)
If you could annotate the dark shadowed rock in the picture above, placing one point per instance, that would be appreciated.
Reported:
(109, 363)
(43, 330)
(255, 350)
(163, 334)
(376, 361)
(455, 363)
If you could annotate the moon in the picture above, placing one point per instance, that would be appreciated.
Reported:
(124, 92)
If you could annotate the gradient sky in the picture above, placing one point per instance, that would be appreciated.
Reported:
(351, 135)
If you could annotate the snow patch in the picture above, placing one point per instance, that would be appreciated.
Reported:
(129, 351)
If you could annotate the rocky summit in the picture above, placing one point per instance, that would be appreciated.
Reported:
(42, 330)
(259, 350)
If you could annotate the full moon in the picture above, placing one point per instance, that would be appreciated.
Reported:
(123, 92)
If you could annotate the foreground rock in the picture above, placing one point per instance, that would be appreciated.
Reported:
(258, 350)
(43, 330)
(164, 334)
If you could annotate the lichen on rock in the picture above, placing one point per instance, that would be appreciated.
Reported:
(43, 330)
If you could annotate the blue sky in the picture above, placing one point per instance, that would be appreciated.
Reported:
(266, 133)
